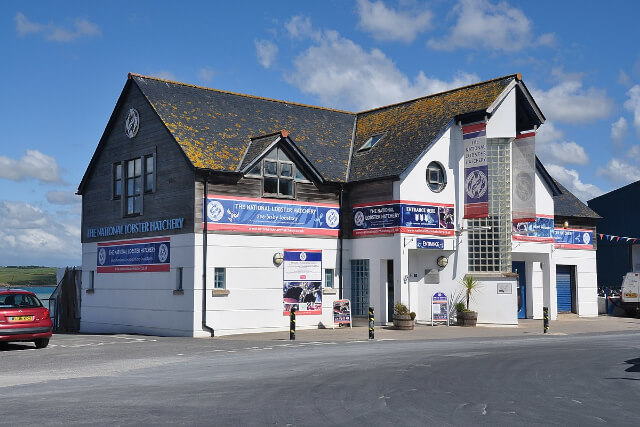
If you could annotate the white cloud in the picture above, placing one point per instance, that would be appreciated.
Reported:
(389, 24)
(570, 178)
(32, 236)
(344, 75)
(633, 104)
(81, 28)
(33, 165)
(619, 171)
(63, 198)
(623, 78)
(206, 74)
(619, 130)
(300, 27)
(266, 52)
(494, 26)
(552, 148)
(569, 102)
(165, 75)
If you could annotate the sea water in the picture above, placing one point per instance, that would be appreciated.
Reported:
(42, 292)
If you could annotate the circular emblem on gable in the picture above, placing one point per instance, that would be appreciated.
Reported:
(215, 211)
(163, 253)
(476, 184)
(358, 218)
(102, 256)
(524, 186)
(333, 218)
(586, 239)
(303, 256)
(132, 123)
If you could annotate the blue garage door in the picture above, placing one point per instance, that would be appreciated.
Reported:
(563, 287)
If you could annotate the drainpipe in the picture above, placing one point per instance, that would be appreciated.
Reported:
(340, 238)
(204, 260)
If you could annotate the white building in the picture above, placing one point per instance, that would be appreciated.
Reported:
(366, 206)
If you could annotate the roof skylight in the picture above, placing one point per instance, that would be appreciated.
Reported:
(371, 142)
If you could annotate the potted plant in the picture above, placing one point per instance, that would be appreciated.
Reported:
(402, 318)
(465, 316)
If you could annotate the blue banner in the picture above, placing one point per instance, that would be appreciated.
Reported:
(476, 171)
(430, 244)
(573, 239)
(259, 216)
(540, 230)
(396, 217)
(134, 256)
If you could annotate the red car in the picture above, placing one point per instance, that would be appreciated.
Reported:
(23, 318)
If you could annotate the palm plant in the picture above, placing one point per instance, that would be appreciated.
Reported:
(469, 285)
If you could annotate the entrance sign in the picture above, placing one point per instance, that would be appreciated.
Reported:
(476, 171)
(524, 177)
(134, 256)
(341, 312)
(399, 216)
(439, 308)
(243, 214)
(302, 281)
(429, 244)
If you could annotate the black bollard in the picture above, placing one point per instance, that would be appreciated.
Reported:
(292, 324)
(371, 331)
(545, 319)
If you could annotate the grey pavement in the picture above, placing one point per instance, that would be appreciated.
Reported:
(567, 324)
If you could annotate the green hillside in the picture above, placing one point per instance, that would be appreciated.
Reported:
(28, 276)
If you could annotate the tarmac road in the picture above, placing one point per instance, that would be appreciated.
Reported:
(580, 379)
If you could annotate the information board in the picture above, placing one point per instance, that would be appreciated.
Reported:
(341, 312)
(439, 308)
(302, 281)
(134, 256)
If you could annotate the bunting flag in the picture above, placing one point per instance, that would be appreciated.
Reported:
(476, 171)
(524, 177)
(612, 238)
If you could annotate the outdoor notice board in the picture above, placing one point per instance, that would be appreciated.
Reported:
(302, 281)
(439, 308)
(341, 312)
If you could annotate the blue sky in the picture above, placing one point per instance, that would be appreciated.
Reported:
(65, 64)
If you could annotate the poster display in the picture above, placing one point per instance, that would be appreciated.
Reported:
(243, 214)
(403, 217)
(524, 174)
(573, 238)
(476, 171)
(134, 256)
(302, 281)
(341, 312)
(439, 308)
(540, 230)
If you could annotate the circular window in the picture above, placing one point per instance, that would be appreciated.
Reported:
(436, 177)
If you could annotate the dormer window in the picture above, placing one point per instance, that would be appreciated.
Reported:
(371, 142)
(279, 174)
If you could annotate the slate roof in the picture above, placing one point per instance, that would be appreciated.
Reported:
(257, 146)
(214, 127)
(412, 126)
(568, 205)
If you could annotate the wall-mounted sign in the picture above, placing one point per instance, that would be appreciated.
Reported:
(249, 215)
(136, 227)
(504, 289)
(540, 230)
(302, 281)
(429, 244)
(573, 238)
(132, 123)
(476, 171)
(403, 217)
(134, 256)
(342, 312)
(524, 176)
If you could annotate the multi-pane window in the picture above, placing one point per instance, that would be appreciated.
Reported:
(219, 278)
(436, 177)
(117, 180)
(179, 278)
(149, 180)
(134, 186)
(490, 238)
(279, 174)
(328, 278)
(360, 286)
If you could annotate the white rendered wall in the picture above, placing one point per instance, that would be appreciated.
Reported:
(502, 123)
(255, 284)
(586, 278)
(139, 302)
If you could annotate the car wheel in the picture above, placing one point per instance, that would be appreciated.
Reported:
(4, 345)
(41, 342)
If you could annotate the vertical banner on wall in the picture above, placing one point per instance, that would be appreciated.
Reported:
(302, 284)
(524, 174)
(476, 171)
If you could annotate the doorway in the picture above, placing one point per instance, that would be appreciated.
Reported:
(565, 289)
(521, 288)
(390, 290)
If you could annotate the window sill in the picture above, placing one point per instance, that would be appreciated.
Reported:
(90, 291)
(220, 292)
(178, 291)
(329, 291)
